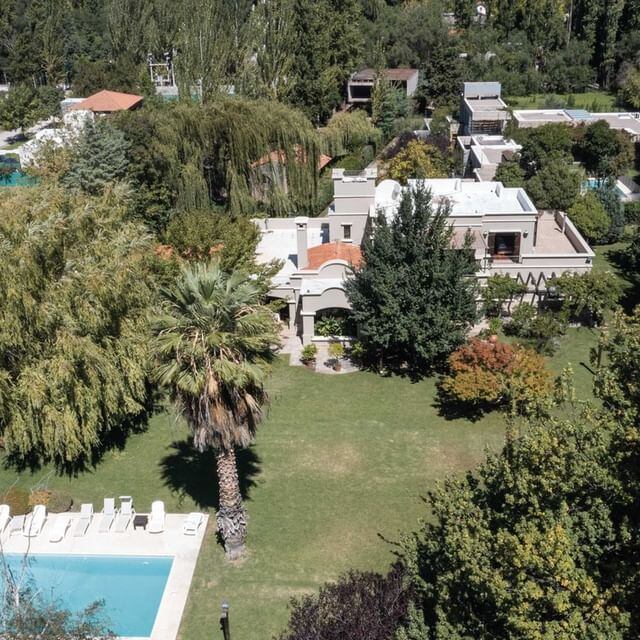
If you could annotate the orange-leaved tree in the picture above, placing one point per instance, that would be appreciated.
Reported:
(493, 373)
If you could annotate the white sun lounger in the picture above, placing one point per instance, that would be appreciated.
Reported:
(60, 527)
(192, 523)
(35, 521)
(126, 514)
(156, 518)
(83, 522)
(109, 512)
(5, 516)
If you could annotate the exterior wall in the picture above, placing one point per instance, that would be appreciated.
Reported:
(412, 84)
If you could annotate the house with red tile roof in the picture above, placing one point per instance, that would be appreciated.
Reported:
(501, 225)
(109, 102)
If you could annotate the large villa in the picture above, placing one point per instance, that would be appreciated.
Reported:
(510, 236)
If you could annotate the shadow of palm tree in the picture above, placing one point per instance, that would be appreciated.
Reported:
(188, 472)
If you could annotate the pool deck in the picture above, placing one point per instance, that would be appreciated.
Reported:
(171, 542)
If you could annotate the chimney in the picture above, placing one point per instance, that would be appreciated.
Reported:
(301, 241)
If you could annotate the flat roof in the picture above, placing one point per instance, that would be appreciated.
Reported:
(282, 244)
(623, 120)
(466, 197)
(368, 75)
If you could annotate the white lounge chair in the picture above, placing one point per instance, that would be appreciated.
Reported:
(192, 523)
(83, 522)
(126, 514)
(109, 513)
(5, 516)
(60, 527)
(35, 521)
(156, 518)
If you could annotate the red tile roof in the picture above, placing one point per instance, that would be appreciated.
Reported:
(322, 253)
(109, 101)
(279, 157)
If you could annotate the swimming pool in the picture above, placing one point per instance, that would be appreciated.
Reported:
(594, 183)
(131, 586)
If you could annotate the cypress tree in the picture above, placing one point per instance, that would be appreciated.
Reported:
(414, 296)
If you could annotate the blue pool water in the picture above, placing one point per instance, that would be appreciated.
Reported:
(594, 183)
(130, 586)
(16, 179)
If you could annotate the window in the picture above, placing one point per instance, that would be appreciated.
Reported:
(346, 232)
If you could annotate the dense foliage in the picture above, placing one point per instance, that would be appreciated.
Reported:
(414, 297)
(358, 606)
(489, 373)
(590, 217)
(76, 289)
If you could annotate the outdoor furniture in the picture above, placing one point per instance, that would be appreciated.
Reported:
(5, 516)
(156, 519)
(35, 521)
(126, 514)
(83, 522)
(109, 512)
(192, 523)
(60, 527)
(140, 521)
(17, 524)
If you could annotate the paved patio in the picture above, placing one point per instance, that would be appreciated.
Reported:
(171, 542)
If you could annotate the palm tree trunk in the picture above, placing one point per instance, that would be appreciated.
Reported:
(231, 516)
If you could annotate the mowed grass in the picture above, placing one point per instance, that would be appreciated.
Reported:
(337, 471)
(603, 100)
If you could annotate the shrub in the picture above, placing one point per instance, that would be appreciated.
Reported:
(493, 373)
(336, 350)
(59, 501)
(500, 289)
(39, 496)
(590, 217)
(632, 212)
(17, 499)
(588, 295)
(329, 326)
(309, 353)
(357, 606)
(539, 330)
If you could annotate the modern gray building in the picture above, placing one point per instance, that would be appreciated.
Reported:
(361, 84)
(482, 109)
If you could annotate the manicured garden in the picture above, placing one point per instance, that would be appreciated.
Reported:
(601, 100)
(338, 468)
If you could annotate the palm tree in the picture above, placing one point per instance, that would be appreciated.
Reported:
(213, 343)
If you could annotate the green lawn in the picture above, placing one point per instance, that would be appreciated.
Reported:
(601, 99)
(339, 466)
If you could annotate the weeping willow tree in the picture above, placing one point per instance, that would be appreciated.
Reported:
(347, 131)
(75, 291)
(216, 149)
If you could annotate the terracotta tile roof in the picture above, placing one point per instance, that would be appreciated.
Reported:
(279, 157)
(322, 253)
(109, 101)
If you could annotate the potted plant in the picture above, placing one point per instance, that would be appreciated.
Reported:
(308, 355)
(336, 352)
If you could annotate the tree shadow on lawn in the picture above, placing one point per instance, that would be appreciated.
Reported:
(454, 410)
(631, 295)
(188, 472)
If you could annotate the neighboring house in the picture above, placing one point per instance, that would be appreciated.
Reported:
(361, 84)
(622, 121)
(508, 236)
(271, 170)
(481, 155)
(482, 109)
(105, 102)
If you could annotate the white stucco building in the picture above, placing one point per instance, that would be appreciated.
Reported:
(509, 235)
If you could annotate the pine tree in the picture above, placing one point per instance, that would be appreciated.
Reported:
(99, 158)
(414, 297)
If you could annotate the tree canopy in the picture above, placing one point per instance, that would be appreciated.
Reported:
(76, 289)
(413, 297)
